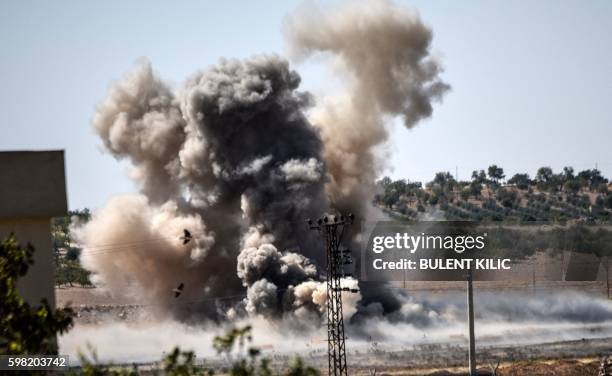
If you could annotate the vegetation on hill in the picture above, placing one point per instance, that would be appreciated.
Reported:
(549, 196)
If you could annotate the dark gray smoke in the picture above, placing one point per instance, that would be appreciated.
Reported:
(232, 156)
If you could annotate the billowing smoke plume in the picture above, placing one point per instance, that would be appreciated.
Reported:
(383, 51)
(232, 157)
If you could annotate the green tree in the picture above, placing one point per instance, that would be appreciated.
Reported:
(444, 180)
(507, 197)
(80, 214)
(433, 200)
(390, 198)
(544, 178)
(385, 182)
(591, 179)
(67, 266)
(60, 227)
(521, 181)
(25, 329)
(602, 188)
(479, 177)
(572, 186)
(475, 188)
(70, 272)
(496, 173)
(568, 174)
(73, 254)
(400, 186)
(608, 201)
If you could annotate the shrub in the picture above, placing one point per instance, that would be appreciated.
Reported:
(25, 329)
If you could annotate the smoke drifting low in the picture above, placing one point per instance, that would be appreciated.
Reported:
(240, 157)
(551, 317)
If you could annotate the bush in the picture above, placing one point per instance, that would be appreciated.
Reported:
(507, 197)
(608, 201)
(71, 272)
(433, 200)
(602, 188)
(73, 254)
(249, 364)
(25, 329)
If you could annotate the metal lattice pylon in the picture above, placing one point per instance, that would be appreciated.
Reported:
(332, 228)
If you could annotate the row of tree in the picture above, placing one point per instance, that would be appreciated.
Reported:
(445, 188)
(566, 181)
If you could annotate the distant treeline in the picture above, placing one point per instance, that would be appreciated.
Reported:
(523, 241)
(549, 196)
(68, 269)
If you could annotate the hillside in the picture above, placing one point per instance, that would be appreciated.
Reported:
(551, 197)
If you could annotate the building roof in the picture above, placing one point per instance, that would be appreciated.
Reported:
(32, 184)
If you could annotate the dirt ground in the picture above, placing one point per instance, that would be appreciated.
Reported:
(578, 357)
(558, 368)
(86, 296)
(542, 368)
(582, 367)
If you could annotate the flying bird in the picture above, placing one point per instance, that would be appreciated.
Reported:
(186, 236)
(177, 291)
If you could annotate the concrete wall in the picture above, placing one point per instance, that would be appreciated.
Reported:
(32, 191)
(39, 282)
(32, 184)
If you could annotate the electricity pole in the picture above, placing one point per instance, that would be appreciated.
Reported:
(332, 229)
(608, 275)
(470, 301)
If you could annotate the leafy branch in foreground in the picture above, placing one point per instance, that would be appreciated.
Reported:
(33, 330)
(241, 361)
(25, 329)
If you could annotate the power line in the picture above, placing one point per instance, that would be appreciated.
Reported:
(562, 285)
(148, 240)
(332, 229)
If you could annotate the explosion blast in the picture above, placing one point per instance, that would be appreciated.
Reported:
(240, 157)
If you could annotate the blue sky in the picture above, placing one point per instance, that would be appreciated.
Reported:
(532, 81)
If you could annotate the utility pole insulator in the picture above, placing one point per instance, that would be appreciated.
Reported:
(331, 229)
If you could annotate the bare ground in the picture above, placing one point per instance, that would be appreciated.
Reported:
(86, 296)
(567, 358)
